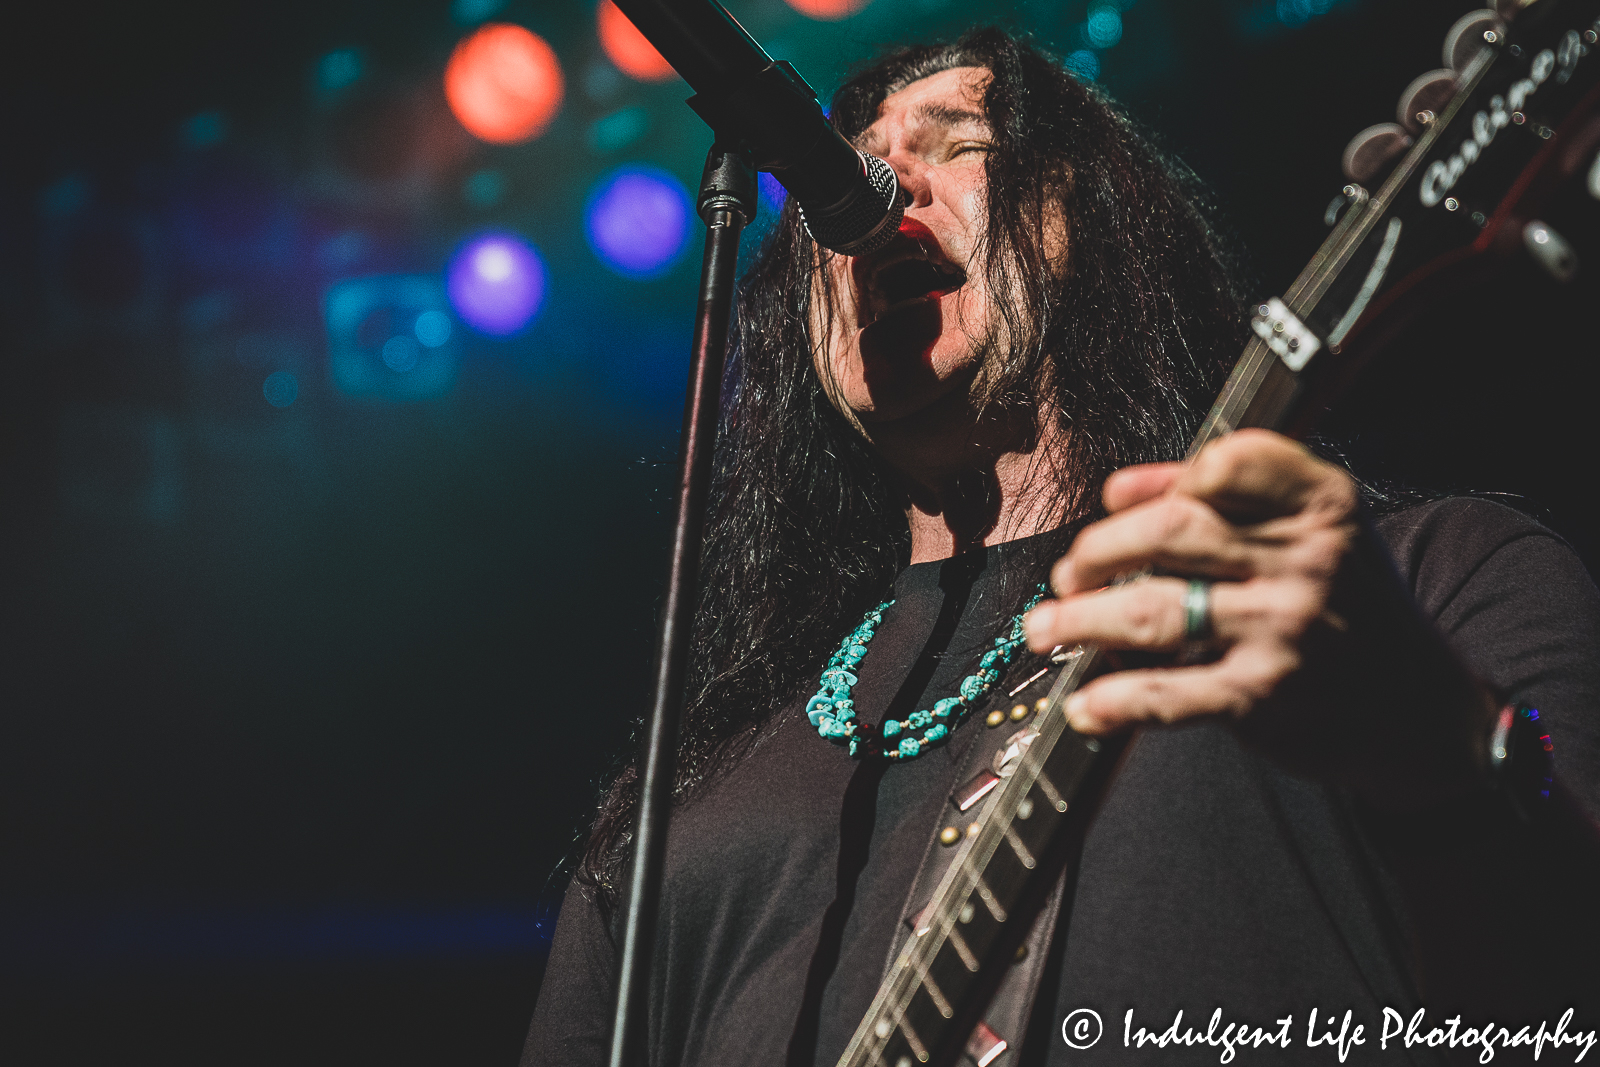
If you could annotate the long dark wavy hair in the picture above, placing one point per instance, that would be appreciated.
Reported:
(1133, 335)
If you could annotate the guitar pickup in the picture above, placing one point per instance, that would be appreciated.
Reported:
(1285, 334)
(975, 790)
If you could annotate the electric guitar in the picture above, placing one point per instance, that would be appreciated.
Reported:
(1487, 149)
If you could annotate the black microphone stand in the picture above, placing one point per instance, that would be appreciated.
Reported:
(763, 113)
(727, 203)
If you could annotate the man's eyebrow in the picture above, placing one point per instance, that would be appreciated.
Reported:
(945, 115)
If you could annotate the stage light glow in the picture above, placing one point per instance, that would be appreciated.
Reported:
(827, 10)
(504, 84)
(364, 316)
(484, 189)
(626, 47)
(638, 220)
(496, 283)
(472, 12)
(1104, 27)
(432, 328)
(772, 193)
(400, 353)
(1083, 64)
(205, 129)
(1298, 12)
(339, 69)
(280, 388)
(619, 129)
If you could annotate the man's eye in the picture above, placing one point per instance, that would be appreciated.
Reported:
(969, 146)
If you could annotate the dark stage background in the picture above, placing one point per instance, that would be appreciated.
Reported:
(325, 596)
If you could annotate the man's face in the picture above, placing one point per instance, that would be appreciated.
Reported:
(911, 323)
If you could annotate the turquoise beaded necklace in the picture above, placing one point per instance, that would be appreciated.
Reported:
(832, 711)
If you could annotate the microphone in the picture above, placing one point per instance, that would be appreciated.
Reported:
(849, 201)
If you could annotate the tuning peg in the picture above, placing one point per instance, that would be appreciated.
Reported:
(1370, 149)
(1471, 32)
(1508, 8)
(1425, 98)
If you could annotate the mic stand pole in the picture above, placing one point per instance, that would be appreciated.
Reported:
(727, 202)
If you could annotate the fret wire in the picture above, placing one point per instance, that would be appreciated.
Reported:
(1048, 788)
(1019, 848)
(936, 995)
(968, 960)
(911, 1039)
(986, 895)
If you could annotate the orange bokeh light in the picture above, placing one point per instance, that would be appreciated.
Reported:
(827, 9)
(627, 48)
(503, 83)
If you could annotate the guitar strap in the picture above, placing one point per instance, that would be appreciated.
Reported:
(1006, 1018)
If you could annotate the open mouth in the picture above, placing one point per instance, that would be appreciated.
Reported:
(913, 278)
(912, 268)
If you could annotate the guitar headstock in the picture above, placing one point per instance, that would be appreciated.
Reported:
(1493, 158)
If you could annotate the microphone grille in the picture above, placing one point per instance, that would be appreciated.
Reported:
(863, 222)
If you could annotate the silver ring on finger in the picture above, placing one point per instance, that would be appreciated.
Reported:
(1197, 611)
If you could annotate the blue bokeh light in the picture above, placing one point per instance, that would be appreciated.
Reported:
(366, 316)
(400, 353)
(1083, 64)
(485, 189)
(1298, 12)
(205, 129)
(338, 69)
(280, 388)
(619, 129)
(1104, 27)
(496, 283)
(638, 221)
(432, 328)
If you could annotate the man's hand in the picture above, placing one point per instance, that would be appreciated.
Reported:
(1256, 513)
(1320, 658)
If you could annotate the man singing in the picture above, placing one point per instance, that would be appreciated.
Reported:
(919, 441)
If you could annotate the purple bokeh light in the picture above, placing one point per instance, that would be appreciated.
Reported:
(773, 194)
(496, 283)
(638, 220)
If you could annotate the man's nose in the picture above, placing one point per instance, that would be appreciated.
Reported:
(912, 174)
